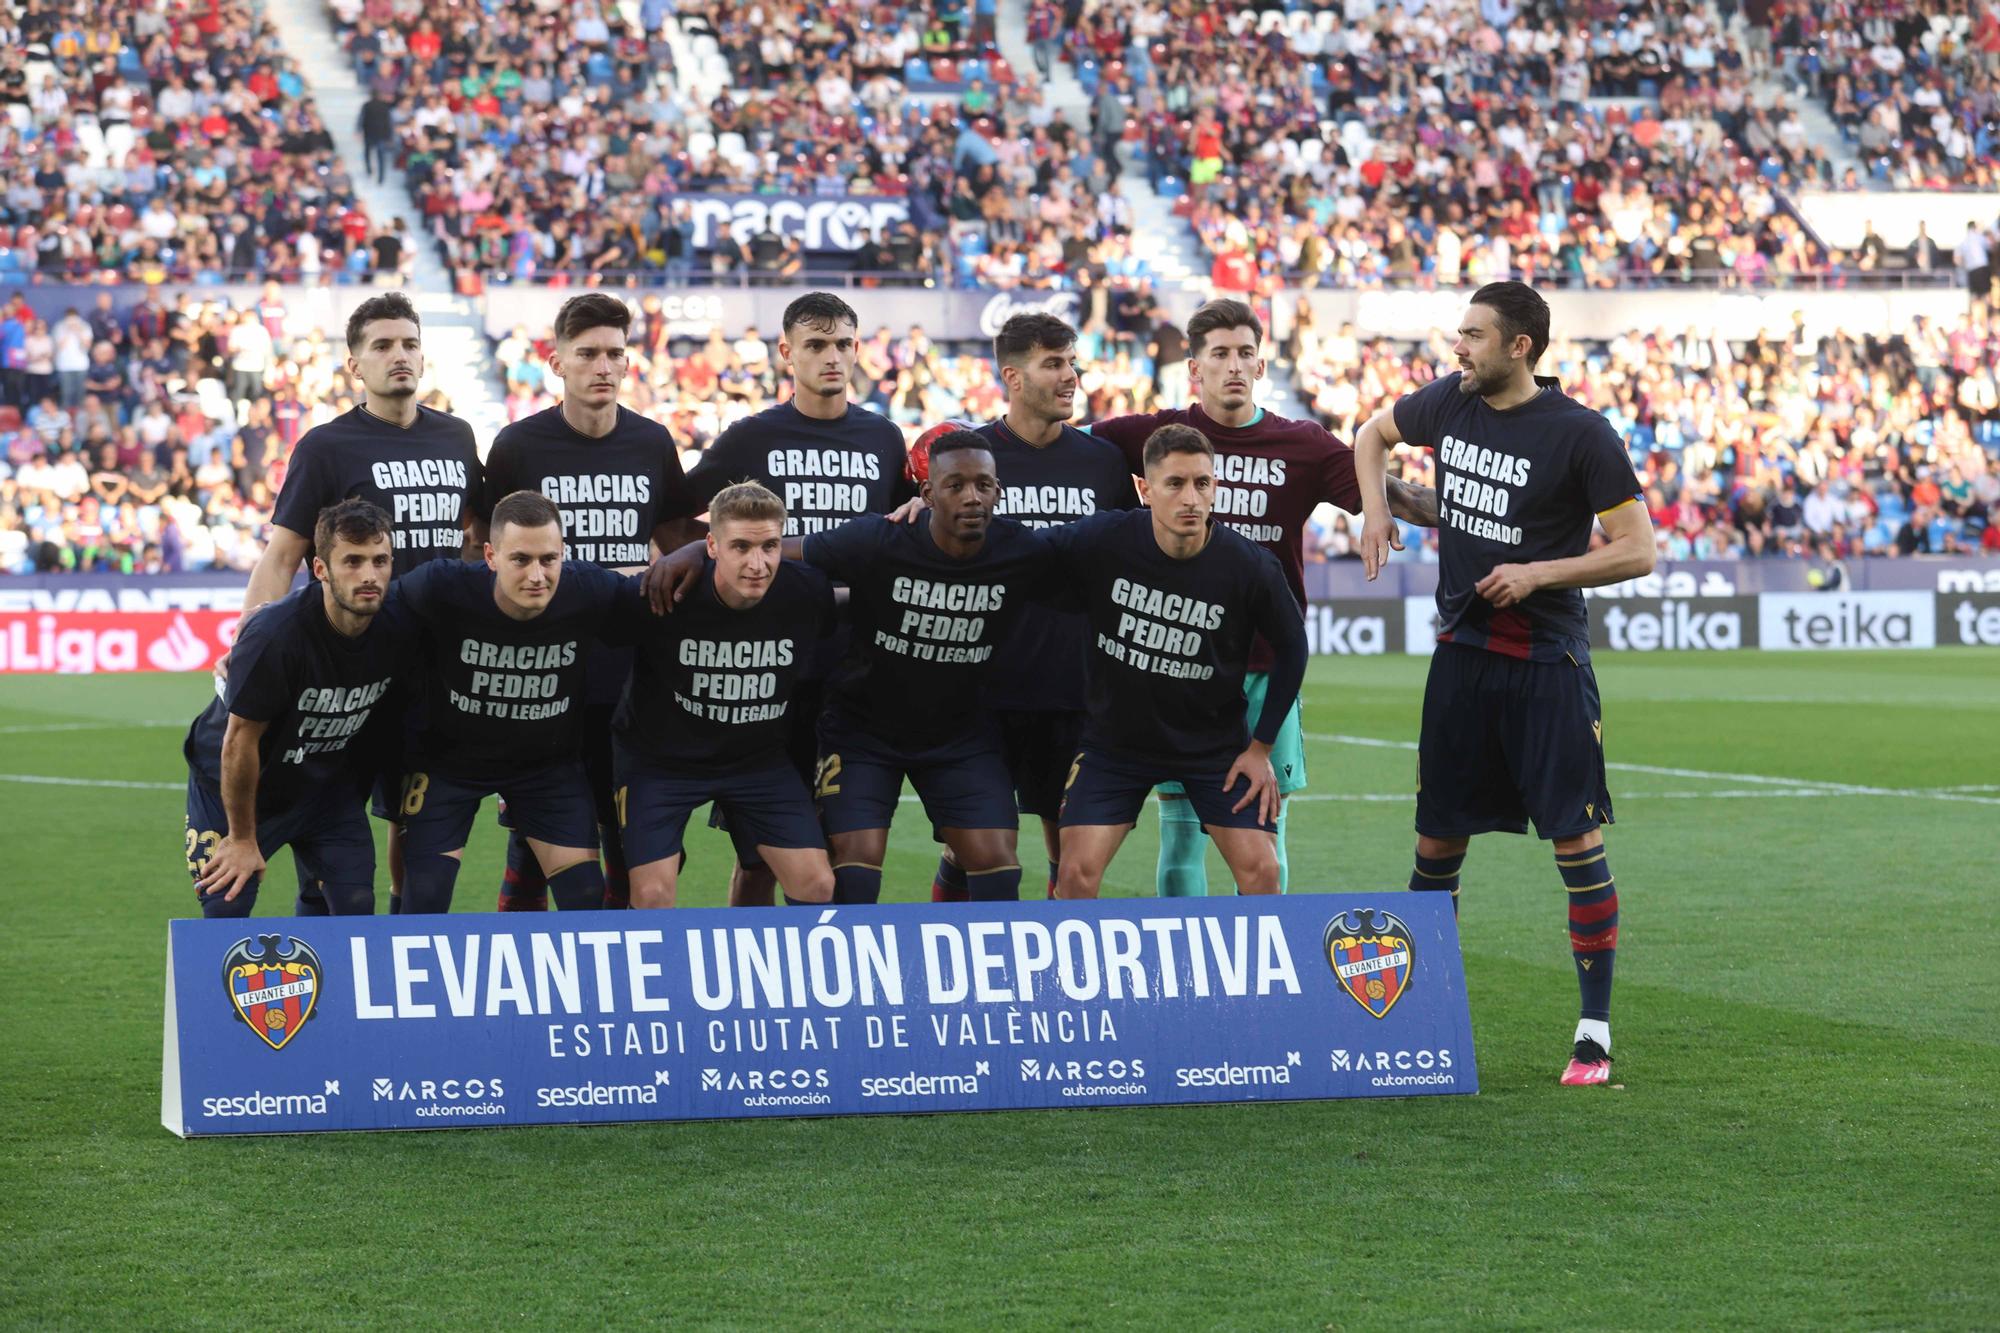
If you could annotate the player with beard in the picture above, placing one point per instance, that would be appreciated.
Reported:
(929, 604)
(503, 703)
(418, 465)
(1512, 723)
(827, 460)
(1271, 472)
(1050, 474)
(281, 759)
(612, 473)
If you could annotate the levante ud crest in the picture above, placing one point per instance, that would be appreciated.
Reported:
(1370, 953)
(273, 990)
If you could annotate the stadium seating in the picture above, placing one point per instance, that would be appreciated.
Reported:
(1913, 88)
(1718, 430)
(167, 144)
(557, 165)
(171, 456)
(1642, 145)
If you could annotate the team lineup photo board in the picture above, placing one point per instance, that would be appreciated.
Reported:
(293, 1025)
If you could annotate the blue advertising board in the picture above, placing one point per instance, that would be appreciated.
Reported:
(292, 1025)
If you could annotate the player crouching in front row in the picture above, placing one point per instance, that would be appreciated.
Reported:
(270, 761)
(705, 713)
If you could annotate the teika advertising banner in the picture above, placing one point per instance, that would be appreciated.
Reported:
(293, 1025)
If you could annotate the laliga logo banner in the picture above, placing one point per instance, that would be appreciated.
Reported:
(278, 1026)
(85, 642)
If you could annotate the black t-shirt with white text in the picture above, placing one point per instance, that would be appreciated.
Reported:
(317, 689)
(1171, 639)
(504, 696)
(1042, 665)
(424, 476)
(826, 472)
(1515, 487)
(712, 685)
(612, 489)
(925, 625)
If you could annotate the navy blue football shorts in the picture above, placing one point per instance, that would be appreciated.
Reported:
(330, 843)
(596, 728)
(860, 779)
(1106, 788)
(1039, 748)
(551, 804)
(767, 806)
(801, 751)
(1505, 741)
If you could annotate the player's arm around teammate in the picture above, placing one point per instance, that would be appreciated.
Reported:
(705, 714)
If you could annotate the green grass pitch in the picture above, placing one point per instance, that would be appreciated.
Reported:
(1807, 1131)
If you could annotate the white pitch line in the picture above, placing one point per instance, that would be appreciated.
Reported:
(1758, 779)
(1409, 798)
(42, 728)
(43, 780)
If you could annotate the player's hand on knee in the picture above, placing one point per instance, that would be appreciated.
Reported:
(910, 511)
(1379, 536)
(1254, 766)
(233, 864)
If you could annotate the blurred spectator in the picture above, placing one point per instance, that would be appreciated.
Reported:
(1882, 443)
(176, 443)
(1912, 86)
(163, 142)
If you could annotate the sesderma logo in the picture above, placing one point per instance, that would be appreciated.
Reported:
(264, 1104)
(913, 1084)
(1239, 1076)
(600, 1094)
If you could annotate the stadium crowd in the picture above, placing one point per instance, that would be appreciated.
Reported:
(158, 142)
(1433, 142)
(154, 441)
(1786, 445)
(556, 144)
(1915, 87)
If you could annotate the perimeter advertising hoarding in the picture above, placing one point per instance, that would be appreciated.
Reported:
(74, 624)
(293, 1025)
(1971, 621)
(1818, 622)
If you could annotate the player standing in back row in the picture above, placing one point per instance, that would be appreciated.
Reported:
(1051, 474)
(1270, 474)
(614, 476)
(418, 465)
(1512, 726)
(828, 460)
